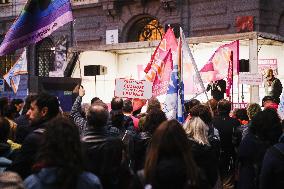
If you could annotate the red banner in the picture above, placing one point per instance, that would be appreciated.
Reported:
(161, 82)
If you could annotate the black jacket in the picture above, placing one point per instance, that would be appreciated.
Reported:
(26, 157)
(103, 155)
(206, 160)
(218, 88)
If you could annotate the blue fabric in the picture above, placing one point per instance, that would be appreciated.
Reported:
(46, 178)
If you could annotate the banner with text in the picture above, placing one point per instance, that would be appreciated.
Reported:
(130, 88)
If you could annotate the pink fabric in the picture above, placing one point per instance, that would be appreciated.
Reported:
(135, 122)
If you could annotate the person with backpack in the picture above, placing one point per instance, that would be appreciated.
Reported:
(272, 171)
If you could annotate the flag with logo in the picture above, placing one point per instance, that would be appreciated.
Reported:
(218, 65)
(173, 106)
(14, 74)
(37, 20)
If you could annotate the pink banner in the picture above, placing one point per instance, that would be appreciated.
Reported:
(217, 66)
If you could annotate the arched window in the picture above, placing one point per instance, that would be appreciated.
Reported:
(45, 57)
(145, 29)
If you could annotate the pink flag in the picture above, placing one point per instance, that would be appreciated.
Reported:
(218, 65)
(230, 76)
(162, 78)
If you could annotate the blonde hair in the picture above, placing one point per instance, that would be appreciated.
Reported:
(197, 130)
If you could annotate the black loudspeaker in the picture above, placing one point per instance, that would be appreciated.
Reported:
(244, 65)
(93, 70)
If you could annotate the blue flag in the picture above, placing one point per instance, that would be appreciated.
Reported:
(173, 106)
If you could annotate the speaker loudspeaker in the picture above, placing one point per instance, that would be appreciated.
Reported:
(244, 65)
(93, 70)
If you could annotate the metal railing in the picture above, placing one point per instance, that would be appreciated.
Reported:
(83, 2)
(13, 8)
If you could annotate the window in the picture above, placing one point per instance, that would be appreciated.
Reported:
(146, 29)
(45, 56)
(6, 61)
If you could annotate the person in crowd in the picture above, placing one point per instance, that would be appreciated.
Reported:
(241, 115)
(218, 88)
(19, 104)
(264, 131)
(141, 141)
(23, 123)
(269, 102)
(213, 104)
(230, 137)
(60, 163)
(153, 104)
(3, 104)
(169, 163)
(11, 180)
(10, 112)
(203, 153)
(272, 86)
(5, 147)
(252, 110)
(128, 110)
(203, 112)
(190, 104)
(272, 171)
(103, 153)
(43, 108)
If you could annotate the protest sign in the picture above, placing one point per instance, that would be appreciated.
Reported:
(130, 88)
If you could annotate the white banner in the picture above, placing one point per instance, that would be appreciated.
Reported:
(130, 88)
(250, 78)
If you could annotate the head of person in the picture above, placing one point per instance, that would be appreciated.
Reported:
(153, 104)
(4, 129)
(190, 104)
(213, 103)
(43, 107)
(10, 111)
(169, 162)
(97, 115)
(116, 103)
(266, 125)
(127, 106)
(18, 103)
(241, 114)
(95, 100)
(252, 110)
(61, 148)
(269, 73)
(224, 107)
(269, 102)
(3, 103)
(117, 119)
(152, 120)
(28, 102)
(203, 112)
(197, 130)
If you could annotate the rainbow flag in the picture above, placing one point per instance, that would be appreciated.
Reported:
(38, 19)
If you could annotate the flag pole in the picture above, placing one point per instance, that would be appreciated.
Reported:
(195, 67)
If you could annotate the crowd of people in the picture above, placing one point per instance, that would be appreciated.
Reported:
(97, 146)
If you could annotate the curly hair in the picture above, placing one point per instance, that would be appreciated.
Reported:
(153, 104)
(253, 109)
(61, 148)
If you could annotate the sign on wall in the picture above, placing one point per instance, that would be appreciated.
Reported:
(111, 36)
(130, 88)
(265, 64)
(250, 78)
